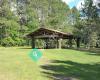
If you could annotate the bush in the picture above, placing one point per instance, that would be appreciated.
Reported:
(7, 42)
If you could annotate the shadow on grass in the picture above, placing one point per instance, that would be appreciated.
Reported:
(90, 51)
(68, 70)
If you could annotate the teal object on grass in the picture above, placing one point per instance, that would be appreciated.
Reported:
(35, 54)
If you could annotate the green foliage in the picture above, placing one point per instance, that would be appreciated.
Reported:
(19, 17)
(93, 39)
(89, 10)
(7, 42)
(88, 27)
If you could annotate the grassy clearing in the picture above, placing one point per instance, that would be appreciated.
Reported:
(15, 64)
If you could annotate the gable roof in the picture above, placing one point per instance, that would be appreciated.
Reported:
(46, 31)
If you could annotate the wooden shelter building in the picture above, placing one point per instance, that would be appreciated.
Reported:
(46, 34)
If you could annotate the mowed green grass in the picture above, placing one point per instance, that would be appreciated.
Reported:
(15, 64)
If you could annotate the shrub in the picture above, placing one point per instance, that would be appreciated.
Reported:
(7, 42)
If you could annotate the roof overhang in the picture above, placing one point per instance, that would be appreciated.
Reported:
(49, 33)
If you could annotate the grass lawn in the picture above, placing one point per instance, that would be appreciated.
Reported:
(15, 64)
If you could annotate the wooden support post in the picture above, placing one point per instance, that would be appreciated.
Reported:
(33, 43)
(60, 43)
(78, 42)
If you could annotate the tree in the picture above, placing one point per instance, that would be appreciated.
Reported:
(19, 17)
(87, 26)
